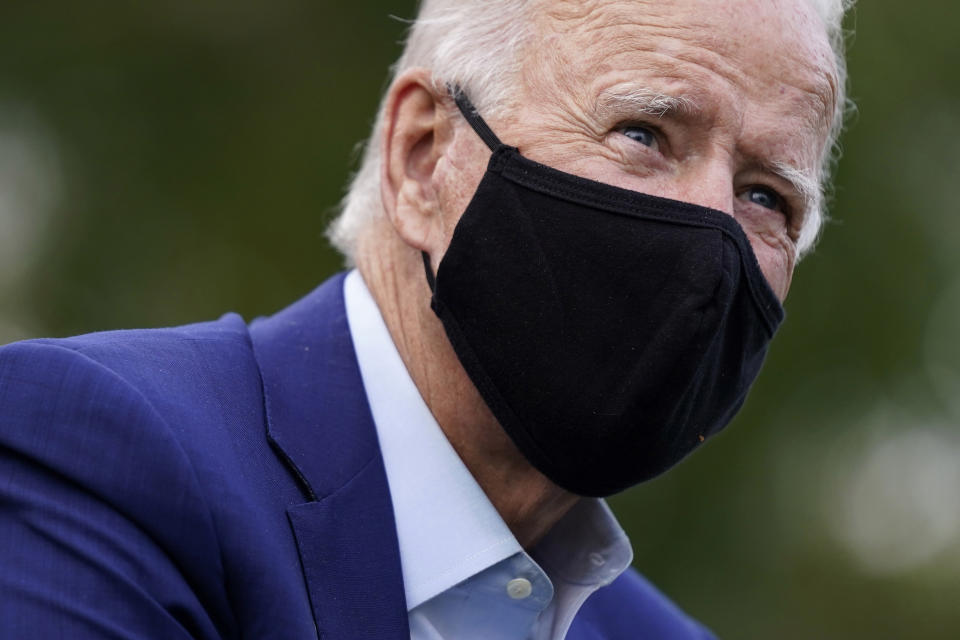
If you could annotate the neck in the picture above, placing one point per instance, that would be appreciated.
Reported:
(528, 502)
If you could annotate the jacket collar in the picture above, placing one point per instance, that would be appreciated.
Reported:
(319, 422)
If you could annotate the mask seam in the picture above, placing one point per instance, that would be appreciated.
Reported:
(724, 314)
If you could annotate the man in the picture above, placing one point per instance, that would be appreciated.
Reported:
(573, 228)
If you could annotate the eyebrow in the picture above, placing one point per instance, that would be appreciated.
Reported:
(806, 185)
(648, 102)
(645, 101)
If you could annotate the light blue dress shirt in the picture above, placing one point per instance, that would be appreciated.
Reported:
(465, 575)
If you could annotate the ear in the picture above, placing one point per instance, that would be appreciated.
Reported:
(416, 134)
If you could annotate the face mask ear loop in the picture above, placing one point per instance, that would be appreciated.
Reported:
(430, 278)
(473, 118)
(483, 130)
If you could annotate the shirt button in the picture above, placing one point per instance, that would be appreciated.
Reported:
(519, 588)
(597, 559)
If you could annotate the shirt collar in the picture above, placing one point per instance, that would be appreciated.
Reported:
(447, 529)
(446, 526)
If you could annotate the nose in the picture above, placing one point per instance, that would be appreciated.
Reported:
(708, 183)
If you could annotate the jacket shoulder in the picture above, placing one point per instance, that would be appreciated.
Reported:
(193, 378)
(632, 607)
(100, 490)
(63, 398)
(138, 355)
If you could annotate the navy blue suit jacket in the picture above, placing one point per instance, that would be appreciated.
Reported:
(215, 481)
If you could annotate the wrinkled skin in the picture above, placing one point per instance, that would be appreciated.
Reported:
(757, 85)
(760, 74)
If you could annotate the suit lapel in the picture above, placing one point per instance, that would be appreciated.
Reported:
(320, 424)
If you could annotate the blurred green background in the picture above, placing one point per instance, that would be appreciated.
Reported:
(162, 163)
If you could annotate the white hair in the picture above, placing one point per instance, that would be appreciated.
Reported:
(832, 13)
(477, 44)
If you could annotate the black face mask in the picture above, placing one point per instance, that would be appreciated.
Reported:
(610, 332)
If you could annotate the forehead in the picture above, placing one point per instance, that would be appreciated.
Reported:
(762, 60)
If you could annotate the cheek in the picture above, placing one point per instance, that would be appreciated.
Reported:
(776, 259)
(455, 181)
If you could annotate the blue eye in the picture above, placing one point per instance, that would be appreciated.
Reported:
(765, 197)
(643, 135)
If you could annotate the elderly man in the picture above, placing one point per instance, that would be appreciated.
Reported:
(573, 229)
